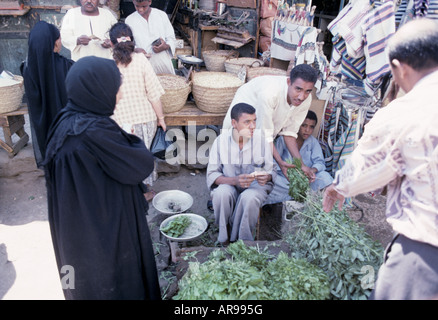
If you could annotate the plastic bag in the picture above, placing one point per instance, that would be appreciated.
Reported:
(159, 144)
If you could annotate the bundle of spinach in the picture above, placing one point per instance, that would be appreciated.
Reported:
(298, 181)
(251, 273)
(339, 246)
(176, 227)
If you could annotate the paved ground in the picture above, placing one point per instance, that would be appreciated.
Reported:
(27, 264)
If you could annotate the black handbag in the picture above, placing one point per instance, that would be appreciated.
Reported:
(160, 144)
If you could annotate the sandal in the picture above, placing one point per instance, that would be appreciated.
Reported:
(210, 205)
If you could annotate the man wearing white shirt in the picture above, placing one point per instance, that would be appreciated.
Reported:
(399, 151)
(281, 105)
(84, 30)
(148, 25)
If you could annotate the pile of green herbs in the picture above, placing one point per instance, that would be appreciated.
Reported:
(243, 272)
(176, 227)
(298, 181)
(339, 246)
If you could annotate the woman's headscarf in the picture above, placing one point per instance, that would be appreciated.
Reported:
(92, 85)
(44, 74)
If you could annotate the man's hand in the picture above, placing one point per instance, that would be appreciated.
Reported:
(244, 180)
(284, 166)
(309, 172)
(262, 177)
(161, 47)
(83, 40)
(331, 196)
(106, 43)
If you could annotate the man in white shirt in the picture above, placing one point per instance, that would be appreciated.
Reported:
(281, 105)
(399, 151)
(148, 25)
(84, 30)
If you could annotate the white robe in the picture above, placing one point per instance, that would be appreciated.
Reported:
(147, 31)
(75, 24)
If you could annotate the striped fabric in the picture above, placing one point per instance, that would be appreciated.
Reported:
(361, 33)
(351, 68)
(412, 9)
(379, 27)
(432, 11)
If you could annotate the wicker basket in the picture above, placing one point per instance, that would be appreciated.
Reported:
(264, 71)
(176, 92)
(234, 65)
(11, 94)
(215, 59)
(214, 91)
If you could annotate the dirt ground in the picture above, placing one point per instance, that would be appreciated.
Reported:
(27, 264)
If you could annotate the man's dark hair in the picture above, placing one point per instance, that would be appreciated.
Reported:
(304, 72)
(420, 52)
(312, 116)
(240, 108)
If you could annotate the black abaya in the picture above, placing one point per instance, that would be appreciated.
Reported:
(94, 172)
(44, 75)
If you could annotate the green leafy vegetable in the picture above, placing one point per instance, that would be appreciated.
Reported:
(251, 273)
(338, 245)
(176, 227)
(298, 181)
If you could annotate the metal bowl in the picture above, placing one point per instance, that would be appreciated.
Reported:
(189, 59)
(192, 232)
(172, 201)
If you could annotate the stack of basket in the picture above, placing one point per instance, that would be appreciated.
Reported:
(263, 71)
(11, 93)
(214, 91)
(215, 59)
(176, 90)
(234, 65)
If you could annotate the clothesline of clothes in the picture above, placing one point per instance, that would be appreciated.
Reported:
(344, 116)
(298, 44)
(410, 9)
(360, 34)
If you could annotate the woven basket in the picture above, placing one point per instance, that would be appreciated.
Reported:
(11, 94)
(263, 71)
(234, 65)
(215, 59)
(176, 92)
(214, 91)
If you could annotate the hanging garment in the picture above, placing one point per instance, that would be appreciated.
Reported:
(285, 39)
(337, 124)
(362, 30)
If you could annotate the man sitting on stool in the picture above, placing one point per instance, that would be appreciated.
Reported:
(240, 174)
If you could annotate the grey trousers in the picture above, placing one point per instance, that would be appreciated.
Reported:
(239, 209)
(410, 271)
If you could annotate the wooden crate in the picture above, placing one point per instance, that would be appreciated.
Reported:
(242, 3)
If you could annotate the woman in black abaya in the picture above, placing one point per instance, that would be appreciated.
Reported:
(94, 173)
(44, 74)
